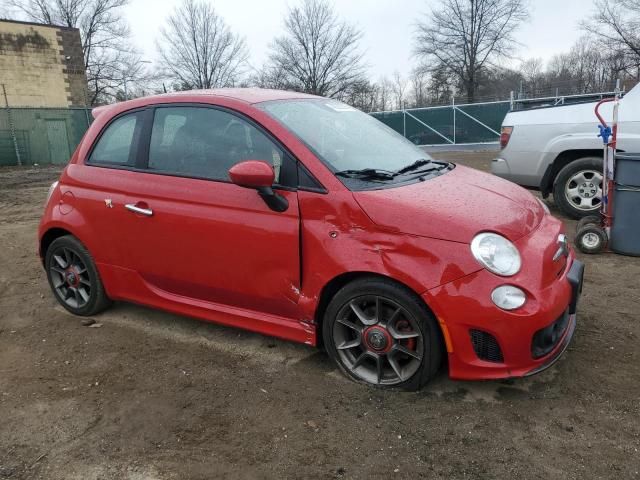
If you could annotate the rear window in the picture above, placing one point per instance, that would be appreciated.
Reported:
(116, 144)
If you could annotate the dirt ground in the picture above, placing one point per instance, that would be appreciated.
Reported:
(150, 395)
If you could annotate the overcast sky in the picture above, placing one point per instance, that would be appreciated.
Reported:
(387, 26)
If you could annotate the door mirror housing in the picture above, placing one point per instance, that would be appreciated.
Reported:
(259, 175)
(252, 174)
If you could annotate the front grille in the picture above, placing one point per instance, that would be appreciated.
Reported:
(486, 346)
(546, 339)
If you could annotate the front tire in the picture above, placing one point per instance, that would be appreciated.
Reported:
(73, 277)
(577, 189)
(381, 334)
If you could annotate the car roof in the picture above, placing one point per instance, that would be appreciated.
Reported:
(248, 95)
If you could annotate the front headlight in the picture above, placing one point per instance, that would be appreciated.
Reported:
(496, 254)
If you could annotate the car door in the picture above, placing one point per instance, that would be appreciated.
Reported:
(98, 186)
(198, 237)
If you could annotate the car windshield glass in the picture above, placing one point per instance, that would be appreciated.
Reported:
(349, 141)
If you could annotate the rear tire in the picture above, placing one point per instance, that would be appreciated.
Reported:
(577, 189)
(73, 277)
(380, 333)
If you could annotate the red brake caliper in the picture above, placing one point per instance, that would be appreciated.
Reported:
(404, 326)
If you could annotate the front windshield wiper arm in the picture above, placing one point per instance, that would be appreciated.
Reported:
(368, 173)
(415, 165)
(433, 167)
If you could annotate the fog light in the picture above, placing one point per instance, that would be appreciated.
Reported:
(508, 297)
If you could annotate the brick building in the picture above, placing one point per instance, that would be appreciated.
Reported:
(41, 65)
(42, 72)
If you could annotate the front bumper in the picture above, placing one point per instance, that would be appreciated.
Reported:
(464, 306)
(575, 278)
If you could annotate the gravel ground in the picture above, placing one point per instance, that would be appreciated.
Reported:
(150, 395)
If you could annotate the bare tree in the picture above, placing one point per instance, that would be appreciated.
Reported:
(617, 22)
(419, 84)
(585, 68)
(399, 87)
(384, 94)
(533, 75)
(318, 53)
(363, 95)
(441, 86)
(272, 76)
(467, 36)
(104, 33)
(532, 69)
(198, 50)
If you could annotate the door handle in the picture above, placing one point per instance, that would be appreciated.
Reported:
(142, 211)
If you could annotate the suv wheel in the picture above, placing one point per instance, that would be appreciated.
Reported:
(577, 189)
(381, 334)
(73, 277)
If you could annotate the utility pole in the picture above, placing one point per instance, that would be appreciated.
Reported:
(11, 126)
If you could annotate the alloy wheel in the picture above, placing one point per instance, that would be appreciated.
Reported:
(583, 190)
(378, 340)
(70, 278)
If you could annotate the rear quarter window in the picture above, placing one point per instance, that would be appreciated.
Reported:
(116, 144)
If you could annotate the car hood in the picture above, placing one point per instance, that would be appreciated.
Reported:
(455, 206)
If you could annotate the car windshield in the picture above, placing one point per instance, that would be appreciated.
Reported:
(350, 142)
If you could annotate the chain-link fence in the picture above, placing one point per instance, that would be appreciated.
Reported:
(468, 123)
(40, 135)
(453, 124)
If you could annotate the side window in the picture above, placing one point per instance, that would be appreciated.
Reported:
(116, 144)
(206, 142)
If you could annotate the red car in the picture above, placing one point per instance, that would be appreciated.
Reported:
(303, 218)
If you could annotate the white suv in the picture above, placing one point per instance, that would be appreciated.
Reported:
(556, 149)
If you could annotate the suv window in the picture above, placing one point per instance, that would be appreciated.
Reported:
(115, 145)
(207, 142)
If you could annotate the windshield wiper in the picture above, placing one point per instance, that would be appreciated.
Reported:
(415, 165)
(368, 173)
(433, 167)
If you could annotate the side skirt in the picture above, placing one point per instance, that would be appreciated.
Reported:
(126, 285)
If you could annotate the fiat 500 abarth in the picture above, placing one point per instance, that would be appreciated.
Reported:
(303, 218)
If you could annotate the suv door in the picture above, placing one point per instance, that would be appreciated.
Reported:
(195, 235)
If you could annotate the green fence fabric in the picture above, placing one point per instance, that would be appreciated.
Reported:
(44, 135)
(460, 124)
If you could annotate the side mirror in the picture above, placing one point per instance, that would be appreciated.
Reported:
(259, 175)
(252, 174)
